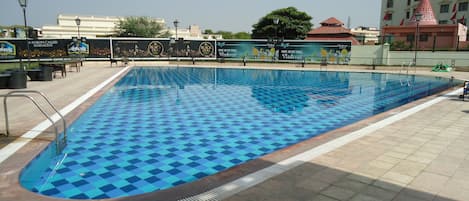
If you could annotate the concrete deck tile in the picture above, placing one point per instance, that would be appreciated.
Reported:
(350, 184)
(422, 157)
(379, 193)
(338, 193)
(360, 178)
(362, 197)
(409, 168)
(323, 198)
(402, 197)
(381, 164)
(397, 154)
(390, 185)
(455, 190)
(388, 159)
(398, 177)
(429, 182)
(370, 171)
(444, 167)
(329, 175)
(312, 185)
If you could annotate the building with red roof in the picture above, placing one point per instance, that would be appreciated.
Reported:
(332, 29)
(431, 35)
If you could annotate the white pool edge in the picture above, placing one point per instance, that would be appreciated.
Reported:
(262, 175)
(24, 139)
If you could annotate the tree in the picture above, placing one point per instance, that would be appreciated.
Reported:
(226, 34)
(208, 31)
(293, 24)
(242, 35)
(229, 34)
(140, 27)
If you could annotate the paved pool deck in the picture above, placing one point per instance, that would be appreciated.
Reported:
(424, 156)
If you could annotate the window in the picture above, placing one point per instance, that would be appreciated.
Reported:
(443, 22)
(407, 15)
(408, 2)
(423, 37)
(444, 8)
(390, 4)
(462, 6)
(410, 37)
(387, 16)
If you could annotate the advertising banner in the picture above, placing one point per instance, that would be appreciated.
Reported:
(264, 50)
(78, 48)
(337, 52)
(7, 50)
(163, 48)
(49, 48)
(99, 48)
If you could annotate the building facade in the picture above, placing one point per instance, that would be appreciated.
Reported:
(194, 32)
(105, 26)
(90, 26)
(424, 32)
(399, 12)
(366, 35)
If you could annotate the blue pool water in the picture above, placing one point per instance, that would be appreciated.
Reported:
(161, 127)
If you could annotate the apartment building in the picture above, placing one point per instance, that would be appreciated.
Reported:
(400, 12)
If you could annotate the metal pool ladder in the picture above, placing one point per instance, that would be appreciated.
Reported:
(60, 143)
(405, 67)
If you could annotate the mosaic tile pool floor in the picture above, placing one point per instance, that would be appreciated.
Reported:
(161, 127)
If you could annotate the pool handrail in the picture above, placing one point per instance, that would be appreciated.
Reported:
(17, 93)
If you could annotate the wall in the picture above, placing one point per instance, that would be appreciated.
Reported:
(364, 55)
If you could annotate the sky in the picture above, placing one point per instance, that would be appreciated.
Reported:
(234, 15)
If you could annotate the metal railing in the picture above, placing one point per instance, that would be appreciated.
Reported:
(60, 143)
(406, 65)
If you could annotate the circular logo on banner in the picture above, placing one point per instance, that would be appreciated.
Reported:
(155, 48)
(206, 48)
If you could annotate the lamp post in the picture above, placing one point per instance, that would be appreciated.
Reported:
(23, 4)
(176, 23)
(78, 22)
(418, 17)
(276, 40)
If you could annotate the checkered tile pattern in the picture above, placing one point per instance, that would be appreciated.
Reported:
(161, 127)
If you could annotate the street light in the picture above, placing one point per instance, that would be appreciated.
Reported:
(418, 17)
(176, 22)
(23, 4)
(78, 22)
(276, 39)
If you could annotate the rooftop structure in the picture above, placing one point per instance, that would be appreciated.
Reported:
(332, 29)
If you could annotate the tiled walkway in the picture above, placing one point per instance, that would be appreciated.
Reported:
(422, 157)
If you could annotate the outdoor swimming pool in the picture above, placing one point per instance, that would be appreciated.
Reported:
(161, 127)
